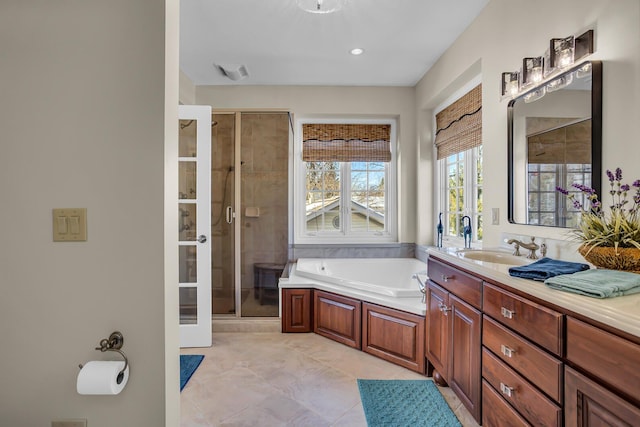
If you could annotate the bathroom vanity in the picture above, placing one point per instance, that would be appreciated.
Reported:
(519, 353)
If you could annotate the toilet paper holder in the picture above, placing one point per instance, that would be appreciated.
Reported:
(114, 343)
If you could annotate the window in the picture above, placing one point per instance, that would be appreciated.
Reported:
(346, 182)
(458, 146)
(461, 192)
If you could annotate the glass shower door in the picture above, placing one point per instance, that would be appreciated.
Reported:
(223, 177)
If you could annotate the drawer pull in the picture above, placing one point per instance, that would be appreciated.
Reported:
(443, 308)
(506, 390)
(446, 278)
(506, 313)
(507, 351)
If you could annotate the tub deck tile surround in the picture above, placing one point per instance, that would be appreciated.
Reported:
(409, 304)
(274, 379)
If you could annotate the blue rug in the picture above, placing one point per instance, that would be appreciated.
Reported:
(401, 403)
(188, 365)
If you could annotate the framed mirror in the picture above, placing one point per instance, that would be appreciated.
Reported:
(554, 136)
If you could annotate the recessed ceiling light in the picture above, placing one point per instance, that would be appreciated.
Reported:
(356, 51)
(321, 6)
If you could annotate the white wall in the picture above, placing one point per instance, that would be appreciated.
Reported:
(82, 119)
(504, 33)
(394, 102)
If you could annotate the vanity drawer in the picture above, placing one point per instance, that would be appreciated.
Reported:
(465, 286)
(496, 412)
(536, 322)
(604, 355)
(544, 370)
(531, 403)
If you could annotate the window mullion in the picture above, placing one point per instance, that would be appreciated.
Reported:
(345, 197)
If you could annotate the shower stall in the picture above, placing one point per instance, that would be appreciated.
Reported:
(249, 211)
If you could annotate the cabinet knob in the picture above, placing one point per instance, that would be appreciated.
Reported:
(506, 390)
(443, 308)
(506, 313)
(507, 351)
(446, 278)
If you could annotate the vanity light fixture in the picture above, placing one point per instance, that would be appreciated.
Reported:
(537, 71)
(510, 84)
(320, 6)
(532, 71)
(561, 53)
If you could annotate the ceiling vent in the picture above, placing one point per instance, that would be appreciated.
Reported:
(233, 71)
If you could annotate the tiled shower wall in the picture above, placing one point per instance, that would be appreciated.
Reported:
(265, 150)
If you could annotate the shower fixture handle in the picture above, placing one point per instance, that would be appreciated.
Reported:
(202, 238)
(230, 214)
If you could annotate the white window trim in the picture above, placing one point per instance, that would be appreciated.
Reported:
(469, 188)
(440, 173)
(299, 189)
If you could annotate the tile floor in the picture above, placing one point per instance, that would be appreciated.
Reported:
(273, 379)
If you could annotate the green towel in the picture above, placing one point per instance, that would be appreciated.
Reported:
(597, 283)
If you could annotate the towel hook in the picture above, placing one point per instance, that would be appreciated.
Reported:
(114, 343)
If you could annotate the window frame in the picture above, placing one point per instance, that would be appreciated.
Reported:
(345, 236)
(470, 186)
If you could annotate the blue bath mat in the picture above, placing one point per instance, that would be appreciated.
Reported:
(400, 403)
(188, 365)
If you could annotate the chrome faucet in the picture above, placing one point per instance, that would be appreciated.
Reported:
(532, 247)
(466, 231)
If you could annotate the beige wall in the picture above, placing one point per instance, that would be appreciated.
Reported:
(504, 33)
(394, 102)
(82, 119)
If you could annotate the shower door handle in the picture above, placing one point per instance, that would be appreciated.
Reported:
(230, 214)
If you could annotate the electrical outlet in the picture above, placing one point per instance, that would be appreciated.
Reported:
(69, 423)
(495, 216)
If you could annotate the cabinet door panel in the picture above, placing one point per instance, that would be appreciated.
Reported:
(587, 404)
(393, 335)
(296, 310)
(464, 367)
(438, 330)
(337, 317)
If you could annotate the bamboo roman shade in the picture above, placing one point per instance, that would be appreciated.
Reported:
(329, 142)
(459, 126)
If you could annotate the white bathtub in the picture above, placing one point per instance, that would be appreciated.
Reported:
(390, 277)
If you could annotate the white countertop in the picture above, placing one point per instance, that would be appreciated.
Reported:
(409, 304)
(622, 313)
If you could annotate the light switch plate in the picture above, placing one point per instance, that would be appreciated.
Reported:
(69, 423)
(495, 216)
(70, 225)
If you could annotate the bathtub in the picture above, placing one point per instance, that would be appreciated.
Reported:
(387, 277)
(384, 281)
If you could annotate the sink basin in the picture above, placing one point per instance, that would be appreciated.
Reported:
(493, 256)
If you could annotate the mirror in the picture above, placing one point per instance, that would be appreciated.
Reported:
(555, 139)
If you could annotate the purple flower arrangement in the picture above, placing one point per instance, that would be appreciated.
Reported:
(619, 227)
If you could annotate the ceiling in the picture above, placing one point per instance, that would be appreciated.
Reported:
(280, 44)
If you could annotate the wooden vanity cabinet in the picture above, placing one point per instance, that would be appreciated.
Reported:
(337, 317)
(393, 335)
(611, 394)
(522, 344)
(296, 310)
(453, 336)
